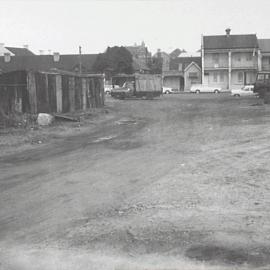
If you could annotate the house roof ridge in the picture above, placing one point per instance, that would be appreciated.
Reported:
(230, 35)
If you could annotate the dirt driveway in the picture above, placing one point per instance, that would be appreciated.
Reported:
(180, 182)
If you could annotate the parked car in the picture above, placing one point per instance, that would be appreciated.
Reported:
(169, 90)
(246, 90)
(204, 88)
(108, 88)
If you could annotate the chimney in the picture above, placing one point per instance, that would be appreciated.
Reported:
(26, 46)
(158, 53)
(228, 31)
(41, 52)
(7, 57)
(56, 56)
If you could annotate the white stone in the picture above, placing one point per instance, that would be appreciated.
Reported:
(44, 119)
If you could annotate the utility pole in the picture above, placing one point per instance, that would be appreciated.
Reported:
(80, 59)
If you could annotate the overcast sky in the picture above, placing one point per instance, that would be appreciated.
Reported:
(64, 25)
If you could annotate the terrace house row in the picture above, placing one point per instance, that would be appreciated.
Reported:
(230, 60)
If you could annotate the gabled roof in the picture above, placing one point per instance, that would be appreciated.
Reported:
(185, 61)
(191, 64)
(264, 45)
(20, 51)
(230, 42)
(69, 62)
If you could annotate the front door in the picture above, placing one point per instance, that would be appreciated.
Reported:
(206, 79)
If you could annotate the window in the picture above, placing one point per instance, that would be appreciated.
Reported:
(267, 76)
(215, 58)
(180, 67)
(249, 57)
(215, 77)
(221, 77)
(260, 77)
(240, 76)
(193, 75)
(238, 57)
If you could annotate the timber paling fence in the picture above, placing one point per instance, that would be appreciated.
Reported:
(49, 92)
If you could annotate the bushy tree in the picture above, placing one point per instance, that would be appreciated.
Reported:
(155, 65)
(115, 60)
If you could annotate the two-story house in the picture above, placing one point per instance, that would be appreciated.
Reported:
(264, 45)
(230, 60)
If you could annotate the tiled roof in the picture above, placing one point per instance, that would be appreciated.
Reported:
(175, 53)
(264, 45)
(20, 51)
(185, 61)
(230, 42)
(69, 62)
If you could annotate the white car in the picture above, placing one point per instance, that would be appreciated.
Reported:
(246, 90)
(168, 90)
(108, 88)
(204, 88)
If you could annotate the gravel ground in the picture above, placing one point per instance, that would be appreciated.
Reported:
(179, 182)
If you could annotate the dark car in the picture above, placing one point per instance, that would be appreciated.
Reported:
(262, 85)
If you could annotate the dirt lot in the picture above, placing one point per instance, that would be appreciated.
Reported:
(180, 182)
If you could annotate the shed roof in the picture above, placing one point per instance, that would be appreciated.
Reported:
(230, 42)
(264, 45)
(69, 62)
(20, 51)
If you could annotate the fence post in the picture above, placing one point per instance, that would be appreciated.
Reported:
(59, 94)
(84, 103)
(71, 88)
(32, 91)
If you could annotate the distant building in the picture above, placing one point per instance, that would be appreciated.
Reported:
(175, 53)
(15, 51)
(230, 60)
(141, 57)
(68, 62)
(183, 72)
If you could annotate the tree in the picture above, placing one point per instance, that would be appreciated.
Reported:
(155, 65)
(115, 60)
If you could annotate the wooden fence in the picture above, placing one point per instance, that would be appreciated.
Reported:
(50, 92)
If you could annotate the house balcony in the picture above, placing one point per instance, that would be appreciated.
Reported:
(216, 66)
(244, 64)
(249, 67)
(266, 67)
